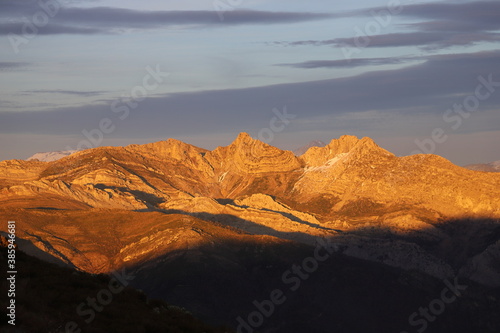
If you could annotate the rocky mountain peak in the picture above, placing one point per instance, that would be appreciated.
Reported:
(243, 137)
(346, 144)
(249, 155)
(171, 148)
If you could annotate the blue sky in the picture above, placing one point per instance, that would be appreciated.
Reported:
(391, 70)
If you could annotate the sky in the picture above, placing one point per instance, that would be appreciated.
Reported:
(415, 76)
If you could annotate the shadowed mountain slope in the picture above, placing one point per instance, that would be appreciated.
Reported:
(48, 296)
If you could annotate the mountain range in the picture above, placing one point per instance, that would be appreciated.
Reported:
(210, 230)
(488, 167)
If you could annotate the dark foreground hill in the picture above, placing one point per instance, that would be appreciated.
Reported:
(49, 298)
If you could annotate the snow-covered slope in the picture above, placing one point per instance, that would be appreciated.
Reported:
(51, 155)
(490, 167)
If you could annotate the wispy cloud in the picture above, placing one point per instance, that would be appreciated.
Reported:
(351, 63)
(477, 58)
(52, 29)
(12, 65)
(429, 87)
(425, 40)
(65, 92)
(77, 20)
(444, 25)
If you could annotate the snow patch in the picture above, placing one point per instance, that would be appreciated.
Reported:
(331, 162)
(51, 155)
(221, 177)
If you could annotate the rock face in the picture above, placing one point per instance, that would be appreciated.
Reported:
(376, 206)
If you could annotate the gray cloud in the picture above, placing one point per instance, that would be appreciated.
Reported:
(76, 20)
(65, 92)
(51, 29)
(348, 63)
(401, 39)
(9, 66)
(431, 59)
(427, 88)
(445, 25)
(426, 40)
(466, 16)
(126, 18)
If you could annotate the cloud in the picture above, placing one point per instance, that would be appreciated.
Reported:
(459, 17)
(358, 62)
(65, 92)
(351, 63)
(51, 29)
(127, 18)
(9, 66)
(445, 25)
(429, 40)
(77, 20)
(427, 88)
